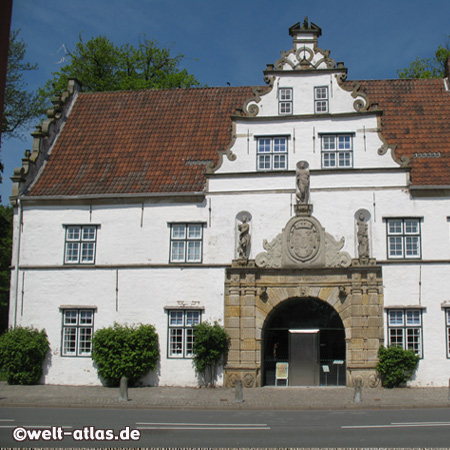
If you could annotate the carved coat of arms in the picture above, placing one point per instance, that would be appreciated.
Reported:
(303, 240)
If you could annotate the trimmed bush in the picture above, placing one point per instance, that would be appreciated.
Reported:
(125, 351)
(22, 354)
(395, 365)
(211, 344)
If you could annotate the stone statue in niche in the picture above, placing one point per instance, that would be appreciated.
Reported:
(302, 183)
(244, 238)
(363, 238)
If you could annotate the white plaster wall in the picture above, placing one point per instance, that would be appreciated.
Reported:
(141, 297)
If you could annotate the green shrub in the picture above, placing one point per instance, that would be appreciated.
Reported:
(395, 365)
(211, 344)
(22, 354)
(125, 351)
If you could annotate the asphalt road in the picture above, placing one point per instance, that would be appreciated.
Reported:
(74, 427)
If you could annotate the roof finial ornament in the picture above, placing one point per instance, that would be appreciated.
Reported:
(305, 23)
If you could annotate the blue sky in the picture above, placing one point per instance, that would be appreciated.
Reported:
(230, 41)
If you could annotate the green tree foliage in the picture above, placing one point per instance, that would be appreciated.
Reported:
(211, 344)
(396, 365)
(100, 65)
(6, 219)
(22, 353)
(21, 105)
(428, 67)
(125, 351)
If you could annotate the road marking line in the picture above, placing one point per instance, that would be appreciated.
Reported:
(202, 428)
(411, 425)
(205, 424)
(6, 420)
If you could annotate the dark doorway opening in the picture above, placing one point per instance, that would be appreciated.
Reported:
(305, 314)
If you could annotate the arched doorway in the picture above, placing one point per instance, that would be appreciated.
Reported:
(309, 335)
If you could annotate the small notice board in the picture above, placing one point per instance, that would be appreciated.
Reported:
(281, 372)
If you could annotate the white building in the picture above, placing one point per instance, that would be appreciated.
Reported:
(310, 217)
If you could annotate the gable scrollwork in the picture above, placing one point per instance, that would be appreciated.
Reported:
(250, 108)
(360, 104)
(402, 161)
(304, 59)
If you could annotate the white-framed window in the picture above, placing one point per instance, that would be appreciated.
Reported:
(272, 153)
(321, 99)
(186, 242)
(405, 329)
(403, 238)
(77, 331)
(80, 244)
(285, 101)
(337, 150)
(181, 332)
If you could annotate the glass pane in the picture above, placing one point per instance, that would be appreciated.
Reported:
(192, 318)
(70, 317)
(279, 161)
(178, 231)
(85, 345)
(279, 145)
(396, 337)
(395, 226)
(345, 159)
(286, 94)
(321, 92)
(72, 249)
(395, 317)
(177, 251)
(411, 226)
(413, 340)
(89, 233)
(69, 341)
(321, 106)
(395, 247)
(263, 145)
(189, 342)
(263, 162)
(176, 318)
(329, 142)
(194, 231)
(412, 248)
(285, 108)
(73, 233)
(413, 317)
(345, 142)
(87, 252)
(86, 317)
(448, 316)
(329, 159)
(176, 342)
(194, 251)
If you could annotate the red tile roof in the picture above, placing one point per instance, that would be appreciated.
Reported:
(138, 142)
(416, 118)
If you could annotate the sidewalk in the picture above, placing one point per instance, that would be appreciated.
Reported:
(281, 398)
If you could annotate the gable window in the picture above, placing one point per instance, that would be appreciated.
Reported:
(285, 101)
(181, 332)
(405, 329)
(403, 238)
(80, 244)
(321, 99)
(77, 331)
(272, 153)
(337, 150)
(186, 242)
